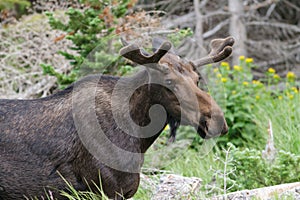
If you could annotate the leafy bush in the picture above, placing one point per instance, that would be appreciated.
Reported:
(237, 93)
(92, 28)
(240, 96)
(252, 171)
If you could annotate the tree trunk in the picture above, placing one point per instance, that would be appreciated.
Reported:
(237, 28)
(196, 49)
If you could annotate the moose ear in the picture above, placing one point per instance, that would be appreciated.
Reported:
(156, 43)
(125, 43)
(135, 54)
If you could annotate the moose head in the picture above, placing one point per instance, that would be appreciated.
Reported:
(184, 101)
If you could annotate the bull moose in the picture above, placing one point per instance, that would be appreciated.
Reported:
(62, 134)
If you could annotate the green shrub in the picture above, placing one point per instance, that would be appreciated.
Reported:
(90, 29)
(238, 169)
(241, 96)
(252, 171)
(237, 93)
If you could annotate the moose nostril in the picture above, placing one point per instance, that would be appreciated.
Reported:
(204, 123)
(225, 129)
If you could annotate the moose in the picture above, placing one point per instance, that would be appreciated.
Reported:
(43, 140)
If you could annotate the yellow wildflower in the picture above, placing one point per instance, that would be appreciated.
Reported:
(167, 127)
(216, 70)
(245, 83)
(237, 68)
(289, 95)
(242, 58)
(295, 90)
(257, 97)
(225, 64)
(233, 92)
(271, 70)
(280, 97)
(290, 75)
(224, 80)
(219, 75)
(276, 76)
(256, 82)
(249, 60)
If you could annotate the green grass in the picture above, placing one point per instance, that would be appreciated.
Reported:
(73, 194)
(285, 117)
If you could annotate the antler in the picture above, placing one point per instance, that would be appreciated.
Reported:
(135, 54)
(220, 49)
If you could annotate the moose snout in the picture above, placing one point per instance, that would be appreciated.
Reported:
(212, 127)
(217, 126)
(225, 128)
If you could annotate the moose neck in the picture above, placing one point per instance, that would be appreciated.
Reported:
(144, 99)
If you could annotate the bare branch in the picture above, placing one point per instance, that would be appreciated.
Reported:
(215, 29)
(275, 24)
(260, 5)
(292, 5)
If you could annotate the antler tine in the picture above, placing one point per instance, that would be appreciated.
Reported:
(135, 54)
(220, 49)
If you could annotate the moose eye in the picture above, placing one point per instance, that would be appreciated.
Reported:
(169, 82)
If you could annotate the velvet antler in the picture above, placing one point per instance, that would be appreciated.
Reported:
(220, 49)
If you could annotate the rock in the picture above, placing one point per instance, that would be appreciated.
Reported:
(172, 186)
(267, 193)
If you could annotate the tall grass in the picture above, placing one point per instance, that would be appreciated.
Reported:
(285, 117)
